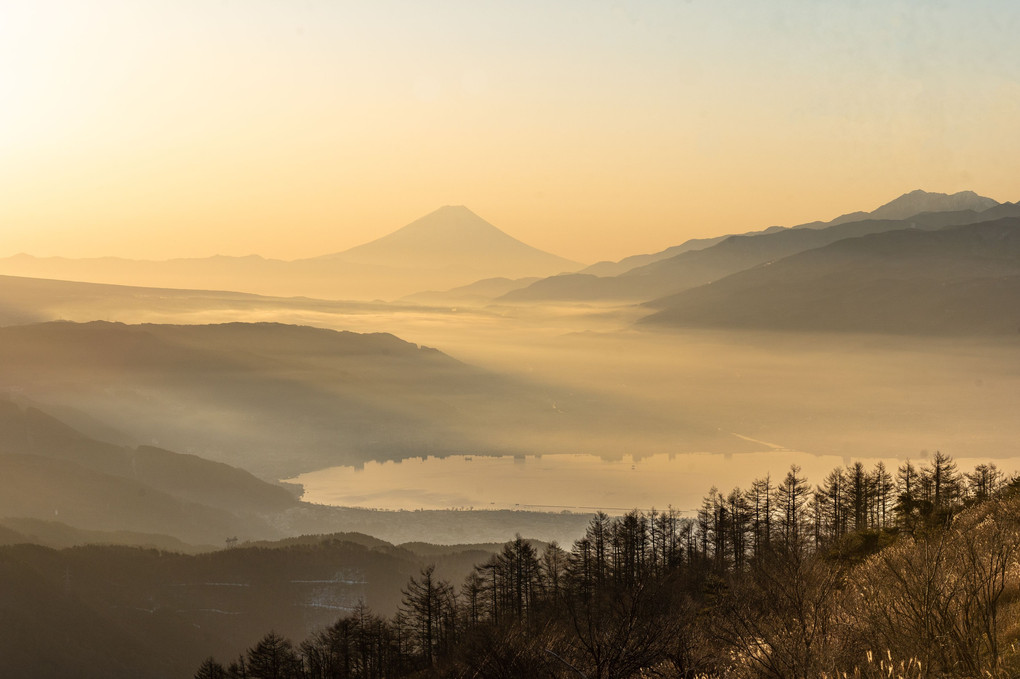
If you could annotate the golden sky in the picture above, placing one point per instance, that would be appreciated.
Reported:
(595, 130)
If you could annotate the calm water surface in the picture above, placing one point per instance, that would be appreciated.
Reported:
(557, 482)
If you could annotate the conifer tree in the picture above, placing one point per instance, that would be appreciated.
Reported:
(273, 657)
(210, 669)
(791, 496)
(429, 610)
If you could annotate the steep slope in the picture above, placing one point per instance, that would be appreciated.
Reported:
(960, 280)
(736, 253)
(53, 472)
(30, 431)
(45, 488)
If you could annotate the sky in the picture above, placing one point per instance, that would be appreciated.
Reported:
(593, 129)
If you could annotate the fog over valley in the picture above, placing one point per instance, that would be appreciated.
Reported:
(858, 377)
(189, 420)
(614, 340)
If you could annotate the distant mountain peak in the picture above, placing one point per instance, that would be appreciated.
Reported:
(914, 203)
(919, 200)
(445, 221)
(453, 238)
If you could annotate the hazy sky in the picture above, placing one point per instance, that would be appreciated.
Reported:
(591, 129)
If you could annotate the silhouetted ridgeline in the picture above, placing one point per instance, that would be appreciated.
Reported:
(64, 488)
(451, 246)
(963, 280)
(871, 573)
(700, 265)
(106, 612)
(279, 400)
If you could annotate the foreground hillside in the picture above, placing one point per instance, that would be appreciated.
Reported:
(868, 575)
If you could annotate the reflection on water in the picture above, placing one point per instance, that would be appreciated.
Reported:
(563, 482)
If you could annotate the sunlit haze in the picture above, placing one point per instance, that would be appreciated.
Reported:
(602, 338)
(593, 130)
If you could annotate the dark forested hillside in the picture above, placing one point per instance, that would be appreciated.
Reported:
(119, 612)
(872, 573)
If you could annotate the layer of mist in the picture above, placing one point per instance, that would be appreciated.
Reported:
(192, 466)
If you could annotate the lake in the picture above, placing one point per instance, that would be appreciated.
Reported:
(566, 482)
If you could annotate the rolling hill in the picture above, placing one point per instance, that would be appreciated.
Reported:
(280, 400)
(102, 612)
(265, 397)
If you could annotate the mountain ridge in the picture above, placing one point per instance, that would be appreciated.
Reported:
(959, 280)
(448, 247)
(697, 267)
(901, 207)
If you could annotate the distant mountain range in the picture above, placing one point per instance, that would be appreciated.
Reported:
(453, 238)
(448, 247)
(693, 267)
(916, 202)
(954, 280)
(907, 205)
(466, 260)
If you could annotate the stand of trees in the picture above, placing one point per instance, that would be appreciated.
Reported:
(906, 573)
